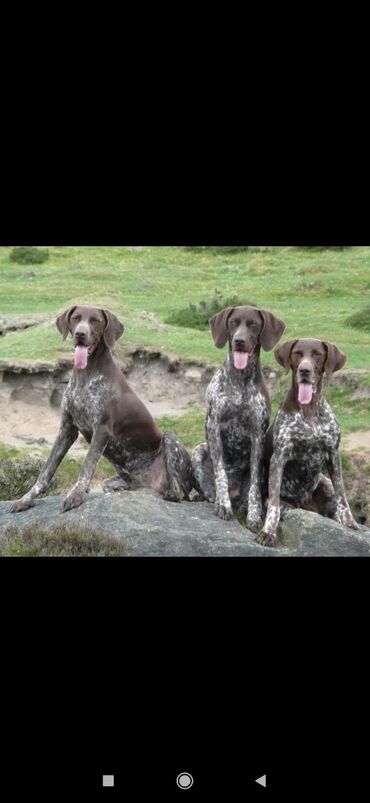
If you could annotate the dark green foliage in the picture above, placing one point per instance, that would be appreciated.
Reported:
(196, 316)
(29, 255)
(17, 476)
(360, 319)
(324, 247)
(62, 541)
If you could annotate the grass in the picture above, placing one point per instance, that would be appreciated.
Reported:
(19, 470)
(61, 541)
(313, 291)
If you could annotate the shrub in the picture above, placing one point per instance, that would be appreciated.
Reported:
(196, 316)
(61, 540)
(324, 247)
(360, 319)
(28, 255)
(17, 475)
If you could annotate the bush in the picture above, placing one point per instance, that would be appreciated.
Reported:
(360, 319)
(62, 541)
(324, 247)
(29, 255)
(196, 316)
(17, 475)
(228, 249)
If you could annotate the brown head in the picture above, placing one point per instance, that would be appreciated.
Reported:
(247, 329)
(309, 359)
(89, 327)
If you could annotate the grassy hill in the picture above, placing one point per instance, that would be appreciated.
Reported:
(313, 291)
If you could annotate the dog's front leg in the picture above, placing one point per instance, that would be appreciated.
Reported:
(267, 536)
(98, 443)
(67, 435)
(252, 507)
(222, 501)
(343, 513)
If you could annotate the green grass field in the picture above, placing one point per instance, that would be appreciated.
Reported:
(313, 291)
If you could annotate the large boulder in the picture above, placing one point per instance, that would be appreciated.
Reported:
(150, 526)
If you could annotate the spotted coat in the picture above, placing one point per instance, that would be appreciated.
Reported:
(303, 440)
(236, 423)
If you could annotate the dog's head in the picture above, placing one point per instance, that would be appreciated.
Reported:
(309, 359)
(88, 326)
(246, 328)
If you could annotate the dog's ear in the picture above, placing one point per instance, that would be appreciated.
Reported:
(113, 329)
(62, 321)
(282, 354)
(335, 358)
(272, 329)
(218, 325)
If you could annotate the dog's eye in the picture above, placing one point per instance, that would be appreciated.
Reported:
(94, 320)
(251, 324)
(297, 353)
(317, 354)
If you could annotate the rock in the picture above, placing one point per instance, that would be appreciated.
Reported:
(308, 534)
(150, 526)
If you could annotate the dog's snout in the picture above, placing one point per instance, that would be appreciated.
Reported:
(239, 342)
(82, 332)
(305, 368)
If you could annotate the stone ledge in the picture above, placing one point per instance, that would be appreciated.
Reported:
(152, 527)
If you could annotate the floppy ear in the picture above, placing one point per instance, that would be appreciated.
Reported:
(272, 329)
(218, 325)
(282, 353)
(113, 329)
(335, 358)
(62, 322)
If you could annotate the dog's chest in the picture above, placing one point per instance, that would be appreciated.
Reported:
(307, 439)
(238, 411)
(87, 403)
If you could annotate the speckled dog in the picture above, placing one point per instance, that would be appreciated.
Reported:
(229, 465)
(305, 435)
(99, 403)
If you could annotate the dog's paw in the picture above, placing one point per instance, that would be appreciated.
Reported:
(345, 517)
(253, 517)
(253, 524)
(172, 495)
(22, 504)
(74, 499)
(266, 539)
(114, 484)
(223, 511)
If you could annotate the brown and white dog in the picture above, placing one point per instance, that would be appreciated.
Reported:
(304, 436)
(228, 467)
(99, 403)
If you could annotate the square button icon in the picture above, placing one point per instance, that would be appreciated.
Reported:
(108, 780)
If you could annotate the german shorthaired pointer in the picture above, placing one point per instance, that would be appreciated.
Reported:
(99, 403)
(305, 435)
(229, 466)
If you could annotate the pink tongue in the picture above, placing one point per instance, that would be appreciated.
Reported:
(81, 356)
(240, 359)
(304, 393)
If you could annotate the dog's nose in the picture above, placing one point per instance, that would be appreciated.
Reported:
(239, 342)
(81, 334)
(305, 368)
